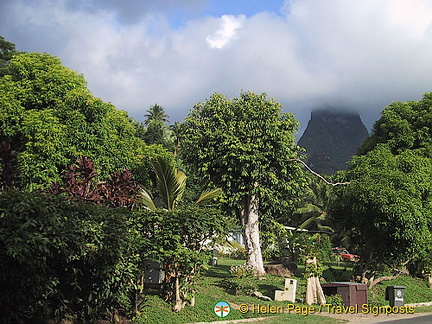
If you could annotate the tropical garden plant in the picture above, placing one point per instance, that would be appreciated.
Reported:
(180, 233)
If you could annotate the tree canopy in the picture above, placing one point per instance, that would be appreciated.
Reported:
(155, 114)
(50, 118)
(404, 126)
(154, 129)
(387, 208)
(242, 145)
(7, 50)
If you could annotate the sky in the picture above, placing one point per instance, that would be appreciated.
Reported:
(358, 55)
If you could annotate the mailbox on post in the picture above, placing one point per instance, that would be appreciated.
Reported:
(395, 295)
(153, 273)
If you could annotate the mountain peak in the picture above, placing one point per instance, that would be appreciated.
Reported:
(331, 138)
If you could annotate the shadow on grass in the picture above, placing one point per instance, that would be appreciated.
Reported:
(268, 290)
(335, 274)
(219, 271)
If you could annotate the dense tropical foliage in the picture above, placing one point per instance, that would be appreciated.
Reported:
(61, 259)
(88, 196)
(49, 118)
(184, 233)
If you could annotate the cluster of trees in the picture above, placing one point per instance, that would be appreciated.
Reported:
(49, 118)
(75, 228)
(386, 208)
(119, 188)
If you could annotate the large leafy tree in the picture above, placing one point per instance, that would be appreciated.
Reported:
(242, 145)
(404, 126)
(48, 117)
(387, 207)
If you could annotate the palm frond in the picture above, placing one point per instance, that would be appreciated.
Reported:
(307, 222)
(327, 228)
(308, 209)
(208, 194)
(147, 200)
(171, 182)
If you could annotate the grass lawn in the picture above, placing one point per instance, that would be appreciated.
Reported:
(423, 309)
(216, 285)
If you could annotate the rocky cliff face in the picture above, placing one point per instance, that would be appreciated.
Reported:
(331, 138)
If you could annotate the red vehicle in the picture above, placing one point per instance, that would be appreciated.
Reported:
(345, 255)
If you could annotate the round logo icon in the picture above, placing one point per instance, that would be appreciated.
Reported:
(222, 309)
(399, 293)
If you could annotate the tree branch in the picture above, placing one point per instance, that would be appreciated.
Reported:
(319, 175)
(398, 272)
(384, 278)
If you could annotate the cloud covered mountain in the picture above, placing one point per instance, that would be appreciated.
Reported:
(331, 138)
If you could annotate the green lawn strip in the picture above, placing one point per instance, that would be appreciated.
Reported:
(423, 309)
(338, 271)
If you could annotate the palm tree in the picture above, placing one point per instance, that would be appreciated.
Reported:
(171, 184)
(312, 214)
(155, 114)
(176, 136)
(155, 129)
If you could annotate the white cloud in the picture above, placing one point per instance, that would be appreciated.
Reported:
(358, 53)
(413, 16)
(227, 31)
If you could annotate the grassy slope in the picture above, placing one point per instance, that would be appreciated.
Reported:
(210, 292)
(417, 291)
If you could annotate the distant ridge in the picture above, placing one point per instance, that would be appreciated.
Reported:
(331, 138)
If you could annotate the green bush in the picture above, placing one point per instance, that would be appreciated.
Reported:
(60, 259)
(325, 253)
(239, 286)
(334, 300)
(242, 270)
(179, 239)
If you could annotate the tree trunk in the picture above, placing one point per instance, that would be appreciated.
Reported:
(314, 292)
(249, 218)
(179, 303)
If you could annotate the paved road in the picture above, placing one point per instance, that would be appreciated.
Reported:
(427, 319)
(421, 318)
